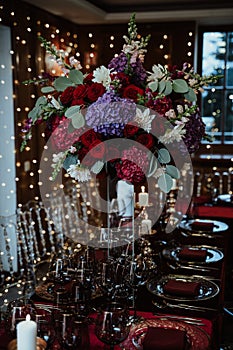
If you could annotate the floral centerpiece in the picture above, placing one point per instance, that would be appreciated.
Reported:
(150, 110)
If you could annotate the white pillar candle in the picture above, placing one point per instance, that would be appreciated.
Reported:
(26, 334)
(143, 197)
(146, 226)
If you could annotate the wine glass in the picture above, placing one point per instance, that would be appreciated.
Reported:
(135, 276)
(69, 332)
(45, 329)
(112, 324)
(17, 310)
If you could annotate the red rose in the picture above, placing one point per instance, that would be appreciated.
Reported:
(85, 157)
(94, 91)
(163, 105)
(88, 138)
(98, 149)
(67, 95)
(130, 130)
(132, 92)
(122, 77)
(146, 139)
(88, 79)
(78, 102)
(80, 92)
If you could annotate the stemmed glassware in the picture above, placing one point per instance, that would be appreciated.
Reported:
(136, 275)
(17, 310)
(112, 325)
(69, 332)
(45, 329)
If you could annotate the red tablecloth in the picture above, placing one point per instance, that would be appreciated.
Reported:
(96, 344)
(213, 211)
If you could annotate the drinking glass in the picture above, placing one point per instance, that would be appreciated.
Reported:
(69, 332)
(17, 310)
(112, 325)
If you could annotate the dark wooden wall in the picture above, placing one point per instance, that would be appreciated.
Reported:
(28, 53)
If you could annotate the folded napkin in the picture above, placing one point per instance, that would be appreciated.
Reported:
(192, 254)
(158, 338)
(182, 288)
(202, 225)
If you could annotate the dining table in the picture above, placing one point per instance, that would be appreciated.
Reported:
(183, 291)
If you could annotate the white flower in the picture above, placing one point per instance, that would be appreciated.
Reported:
(102, 75)
(192, 82)
(72, 149)
(144, 118)
(158, 72)
(180, 109)
(170, 114)
(58, 157)
(172, 135)
(75, 63)
(79, 173)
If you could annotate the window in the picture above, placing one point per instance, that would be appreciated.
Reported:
(217, 99)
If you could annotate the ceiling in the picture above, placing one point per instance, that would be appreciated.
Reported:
(117, 11)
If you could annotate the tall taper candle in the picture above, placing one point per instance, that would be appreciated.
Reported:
(26, 334)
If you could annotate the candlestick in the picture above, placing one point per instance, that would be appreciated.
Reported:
(26, 334)
(143, 197)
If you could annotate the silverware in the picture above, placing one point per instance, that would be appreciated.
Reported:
(163, 304)
(188, 320)
(177, 265)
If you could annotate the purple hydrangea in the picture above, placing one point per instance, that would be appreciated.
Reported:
(110, 129)
(109, 114)
(195, 130)
(135, 69)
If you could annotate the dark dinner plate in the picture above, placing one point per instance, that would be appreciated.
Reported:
(212, 254)
(218, 226)
(208, 289)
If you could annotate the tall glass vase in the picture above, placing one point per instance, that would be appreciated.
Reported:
(121, 215)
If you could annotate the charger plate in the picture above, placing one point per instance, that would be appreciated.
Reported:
(208, 289)
(212, 255)
(197, 338)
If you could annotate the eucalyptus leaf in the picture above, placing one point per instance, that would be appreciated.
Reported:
(162, 85)
(153, 85)
(47, 89)
(97, 167)
(72, 111)
(71, 128)
(42, 100)
(173, 171)
(190, 95)
(164, 156)
(76, 76)
(78, 121)
(168, 88)
(34, 113)
(62, 83)
(70, 160)
(152, 166)
(180, 86)
(165, 183)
